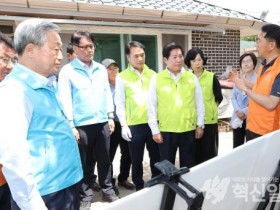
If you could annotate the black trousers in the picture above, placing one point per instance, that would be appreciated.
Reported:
(94, 145)
(66, 199)
(141, 137)
(207, 146)
(251, 135)
(125, 162)
(5, 197)
(184, 142)
(239, 135)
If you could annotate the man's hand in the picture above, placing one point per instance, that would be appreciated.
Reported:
(76, 134)
(240, 84)
(199, 132)
(235, 76)
(158, 138)
(126, 134)
(111, 124)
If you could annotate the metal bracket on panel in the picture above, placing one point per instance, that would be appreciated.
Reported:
(171, 177)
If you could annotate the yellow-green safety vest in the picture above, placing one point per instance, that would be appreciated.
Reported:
(136, 92)
(176, 102)
(210, 105)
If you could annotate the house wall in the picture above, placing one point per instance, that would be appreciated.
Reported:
(221, 50)
(183, 37)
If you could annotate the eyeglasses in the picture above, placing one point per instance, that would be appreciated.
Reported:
(7, 61)
(86, 47)
(246, 62)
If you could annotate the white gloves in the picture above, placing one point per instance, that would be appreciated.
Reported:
(126, 134)
(236, 123)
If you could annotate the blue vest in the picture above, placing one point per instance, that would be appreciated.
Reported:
(53, 150)
(89, 93)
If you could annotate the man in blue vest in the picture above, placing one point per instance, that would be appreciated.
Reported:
(38, 151)
(87, 100)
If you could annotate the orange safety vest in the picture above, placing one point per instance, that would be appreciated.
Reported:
(260, 120)
(2, 178)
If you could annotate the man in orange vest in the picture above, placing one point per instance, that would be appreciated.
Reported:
(7, 59)
(264, 104)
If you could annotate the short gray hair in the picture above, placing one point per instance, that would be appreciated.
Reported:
(32, 31)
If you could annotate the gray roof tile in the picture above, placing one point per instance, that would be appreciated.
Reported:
(188, 6)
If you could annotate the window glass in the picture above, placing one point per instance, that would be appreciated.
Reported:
(107, 46)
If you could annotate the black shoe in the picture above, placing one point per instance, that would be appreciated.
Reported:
(139, 187)
(126, 184)
(116, 190)
(85, 205)
(109, 197)
(95, 186)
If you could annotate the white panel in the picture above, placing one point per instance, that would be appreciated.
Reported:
(248, 167)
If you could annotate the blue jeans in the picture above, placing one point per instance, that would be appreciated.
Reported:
(141, 136)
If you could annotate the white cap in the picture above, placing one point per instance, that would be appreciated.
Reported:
(107, 62)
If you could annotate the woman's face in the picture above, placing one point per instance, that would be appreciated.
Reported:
(247, 64)
(197, 64)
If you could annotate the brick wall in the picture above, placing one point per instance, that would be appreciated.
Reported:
(221, 50)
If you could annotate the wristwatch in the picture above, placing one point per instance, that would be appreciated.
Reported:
(111, 116)
(245, 91)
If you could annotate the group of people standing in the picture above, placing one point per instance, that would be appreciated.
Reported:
(143, 117)
(54, 133)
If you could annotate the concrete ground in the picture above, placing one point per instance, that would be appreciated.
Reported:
(225, 146)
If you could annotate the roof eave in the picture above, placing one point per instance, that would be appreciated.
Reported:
(94, 12)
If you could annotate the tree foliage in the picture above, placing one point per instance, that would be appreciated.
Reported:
(249, 38)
